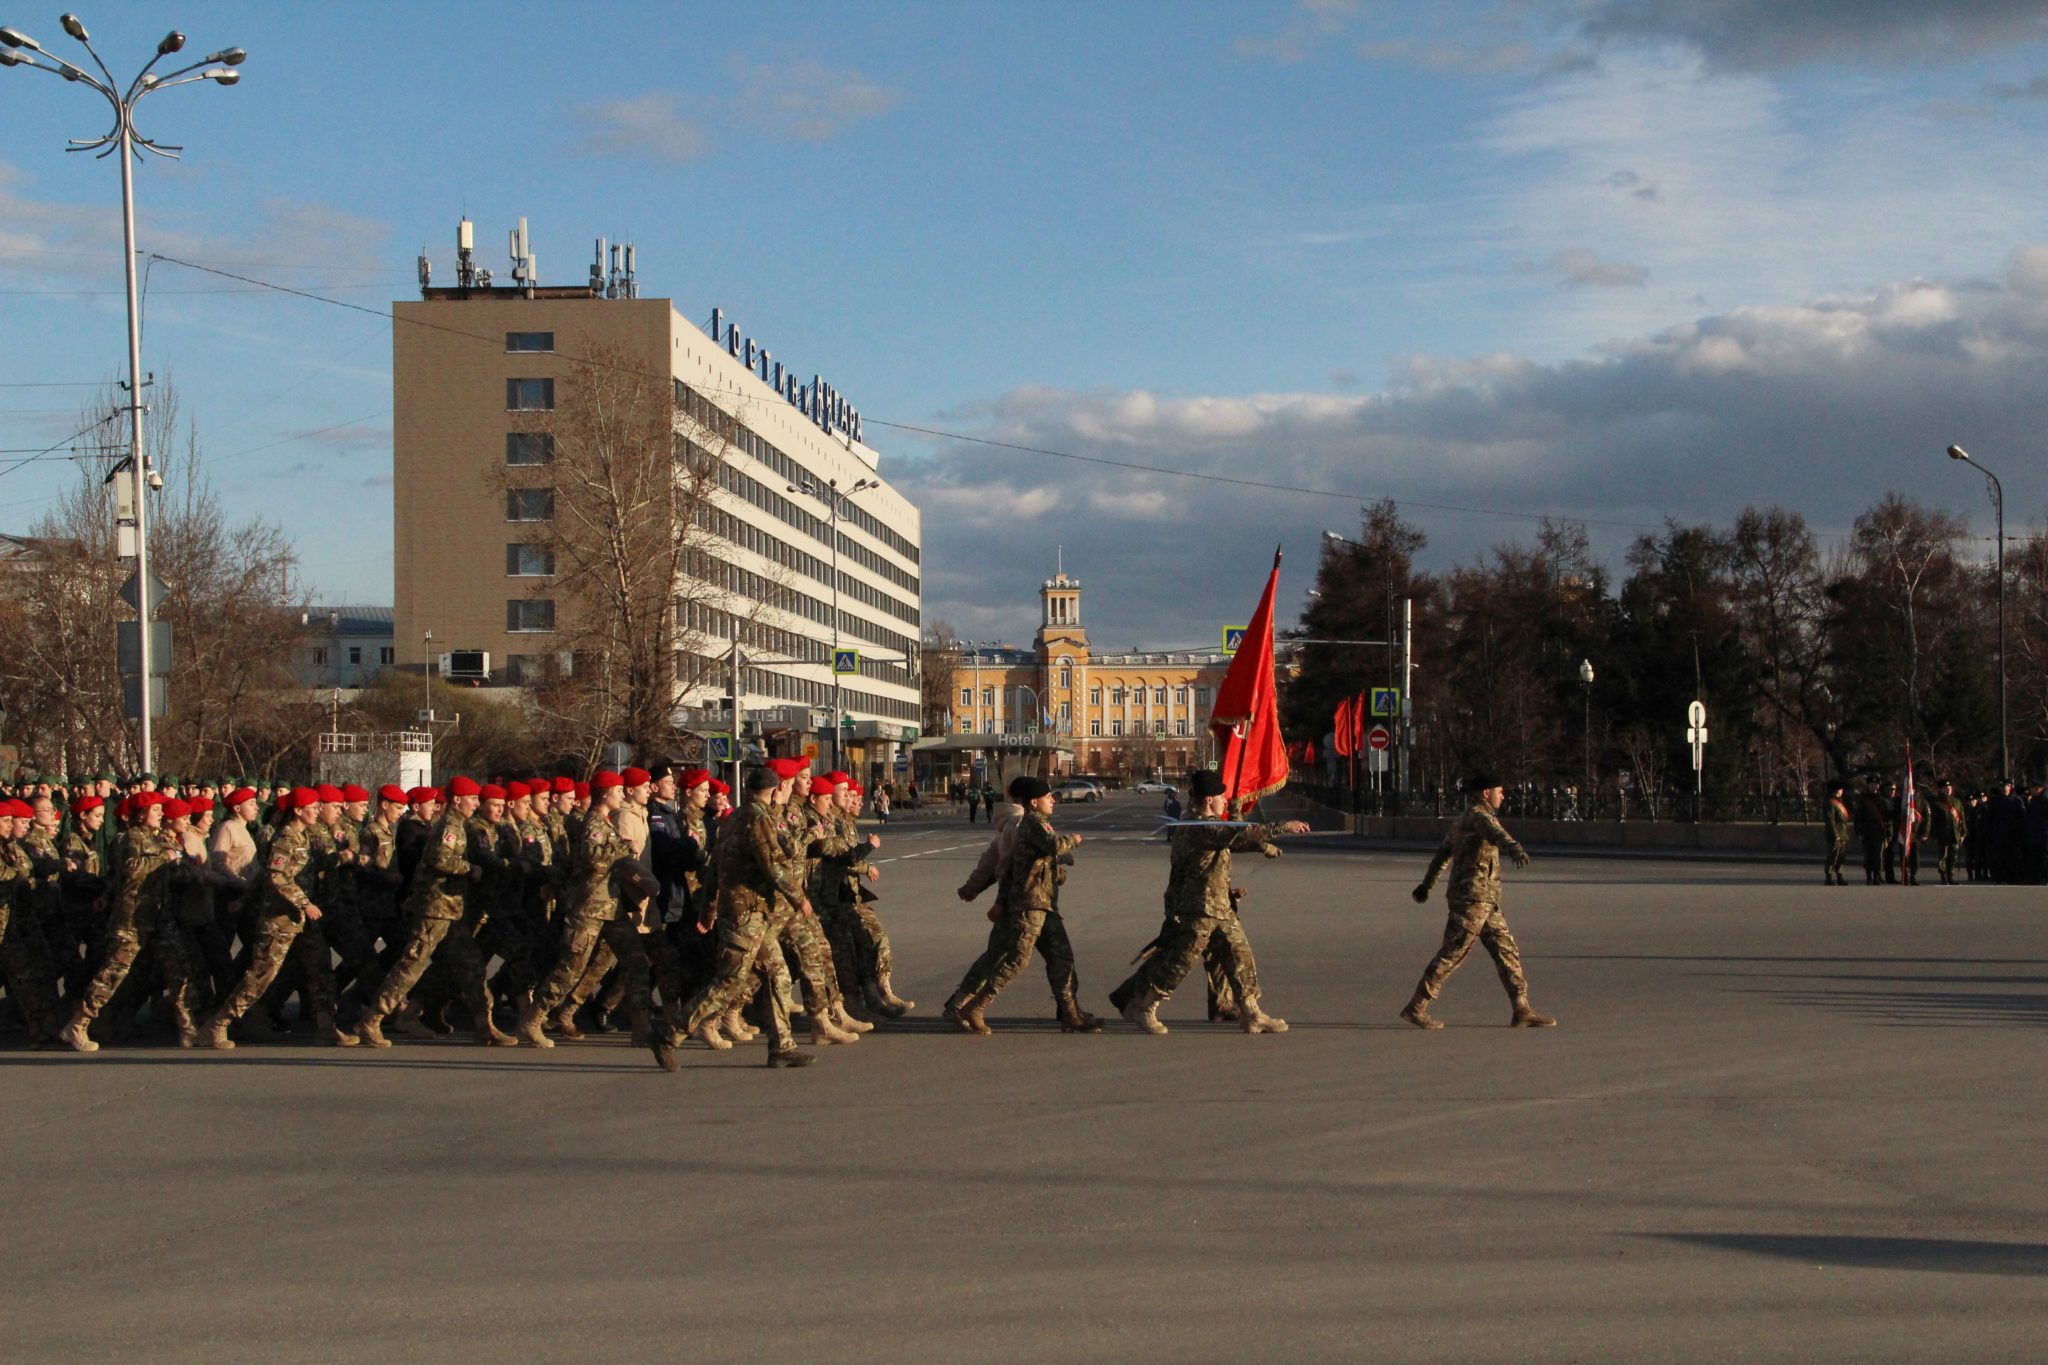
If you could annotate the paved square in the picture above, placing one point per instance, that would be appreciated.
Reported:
(1779, 1121)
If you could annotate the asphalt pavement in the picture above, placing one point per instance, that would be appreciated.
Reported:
(1779, 1122)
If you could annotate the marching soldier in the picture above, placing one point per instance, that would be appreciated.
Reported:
(1027, 904)
(1948, 826)
(140, 901)
(1838, 837)
(1472, 850)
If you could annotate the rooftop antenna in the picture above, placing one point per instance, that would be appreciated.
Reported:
(632, 288)
(525, 272)
(465, 254)
(426, 272)
(597, 271)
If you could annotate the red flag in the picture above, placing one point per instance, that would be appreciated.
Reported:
(1246, 717)
(1342, 738)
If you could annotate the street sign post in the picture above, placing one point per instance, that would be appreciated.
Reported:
(1696, 736)
(1386, 701)
(1379, 739)
(1233, 638)
(845, 661)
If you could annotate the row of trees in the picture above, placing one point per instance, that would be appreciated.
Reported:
(1814, 662)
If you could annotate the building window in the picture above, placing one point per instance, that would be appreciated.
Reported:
(1202, 696)
(319, 658)
(355, 655)
(1180, 727)
(1095, 696)
(988, 727)
(529, 341)
(529, 561)
(1159, 728)
(1095, 728)
(530, 614)
(1116, 729)
(1159, 696)
(388, 654)
(530, 504)
(1066, 677)
(967, 696)
(988, 696)
(966, 725)
(529, 447)
(530, 395)
(1066, 716)
(1180, 695)
(1116, 695)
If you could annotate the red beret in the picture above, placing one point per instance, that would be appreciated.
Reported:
(695, 777)
(565, 786)
(720, 787)
(516, 789)
(419, 796)
(144, 800)
(351, 792)
(636, 777)
(786, 768)
(86, 803)
(174, 809)
(855, 787)
(582, 791)
(491, 791)
(606, 781)
(201, 802)
(241, 794)
(302, 797)
(463, 786)
(329, 793)
(391, 792)
(125, 808)
(537, 785)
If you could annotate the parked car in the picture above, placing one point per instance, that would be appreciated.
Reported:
(1077, 791)
(1155, 788)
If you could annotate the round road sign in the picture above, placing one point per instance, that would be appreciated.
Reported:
(1378, 738)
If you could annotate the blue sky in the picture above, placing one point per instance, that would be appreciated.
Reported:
(1611, 259)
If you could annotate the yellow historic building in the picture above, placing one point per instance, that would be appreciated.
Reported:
(1126, 716)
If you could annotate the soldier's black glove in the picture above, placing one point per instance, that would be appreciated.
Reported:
(1421, 894)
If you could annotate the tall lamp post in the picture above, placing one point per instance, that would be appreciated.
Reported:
(1586, 679)
(831, 496)
(18, 49)
(1998, 507)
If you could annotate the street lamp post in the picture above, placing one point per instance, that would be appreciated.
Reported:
(831, 496)
(1998, 507)
(1586, 679)
(18, 49)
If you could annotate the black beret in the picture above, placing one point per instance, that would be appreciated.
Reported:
(1028, 789)
(1482, 781)
(1205, 784)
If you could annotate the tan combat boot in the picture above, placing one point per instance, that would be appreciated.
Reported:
(1416, 1012)
(968, 1015)
(324, 1031)
(188, 1033)
(708, 1034)
(847, 1021)
(213, 1033)
(528, 1029)
(789, 1056)
(1143, 1010)
(1525, 1017)
(735, 1027)
(408, 1022)
(489, 1035)
(370, 1029)
(884, 1001)
(1074, 1019)
(1252, 1019)
(563, 1021)
(73, 1034)
(950, 1011)
(823, 1030)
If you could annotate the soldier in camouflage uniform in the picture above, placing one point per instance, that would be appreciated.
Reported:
(752, 871)
(833, 849)
(1027, 902)
(24, 951)
(1201, 905)
(1473, 851)
(141, 893)
(1948, 826)
(604, 875)
(379, 882)
(796, 919)
(440, 923)
(285, 913)
(874, 959)
(1838, 836)
(84, 891)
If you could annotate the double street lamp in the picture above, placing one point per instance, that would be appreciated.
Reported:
(1998, 507)
(832, 497)
(18, 49)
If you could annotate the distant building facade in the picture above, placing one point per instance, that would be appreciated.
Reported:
(344, 646)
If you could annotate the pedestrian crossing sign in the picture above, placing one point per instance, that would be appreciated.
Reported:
(1386, 701)
(721, 748)
(1233, 638)
(846, 661)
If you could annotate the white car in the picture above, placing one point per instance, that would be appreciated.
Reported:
(1077, 791)
(1155, 789)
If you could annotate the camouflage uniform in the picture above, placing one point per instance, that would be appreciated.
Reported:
(437, 911)
(1028, 899)
(84, 893)
(147, 857)
(1838, 842)
(833, 856)
(1472, 849)
(508, 932)
(378, 884)
(24, 952)
(603, 870)
(1200, 908)
(752, 874)
(1052, 943)
(1948, 825)
(801, 933)
(284, 931)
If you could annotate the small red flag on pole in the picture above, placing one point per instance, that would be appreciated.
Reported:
(1246, 717)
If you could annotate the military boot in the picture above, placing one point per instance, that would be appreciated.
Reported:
(408, 1022)
(1074, 1019)
(563, 1021)
(891, 1004)
(708, 1034)
(950, 1011)
(846, 1020)
(823, 1030)
(1143, 1010)
(528, 1030)
(1121, 996)
(1416, 1012)
(968, 1015)
(664, 1050)
(370, 1029)
(213, 1033)
(188, 1032)
(1252, 1019)
(1525, 1017)
(73, 1034)
(789, 1057)
(735, 1027)
(324, 1031)
(489, 1035)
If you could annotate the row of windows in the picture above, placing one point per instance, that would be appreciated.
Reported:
(715, 419)
(781, 551)
(766, 682)
(731, 578)
(701, 619)
(1116, 727)
(1117, 695)
(386, 654)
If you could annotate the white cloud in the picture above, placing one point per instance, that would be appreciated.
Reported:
(648, 127)
(809, 101)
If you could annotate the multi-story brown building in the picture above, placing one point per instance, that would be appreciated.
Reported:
(1127, 716)
(803, 545)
